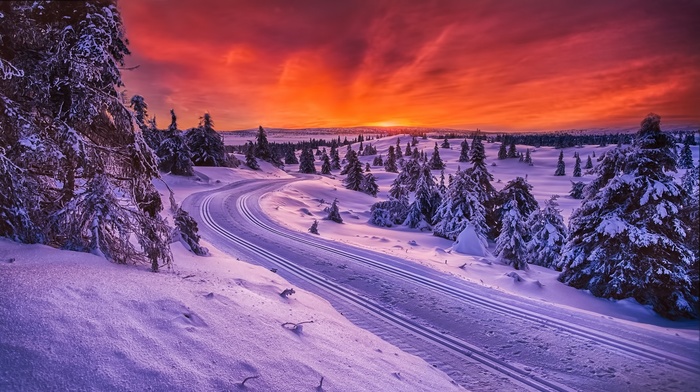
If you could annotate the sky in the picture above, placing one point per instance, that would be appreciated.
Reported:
(518, 65)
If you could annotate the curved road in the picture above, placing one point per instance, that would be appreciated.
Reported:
(484, 339)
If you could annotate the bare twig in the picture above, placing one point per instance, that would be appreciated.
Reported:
(249, 378)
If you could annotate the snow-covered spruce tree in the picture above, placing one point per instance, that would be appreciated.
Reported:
(425, 202)
(561, 167)
(314, 227)
(147, 126)
(685, 160)
(409, 151)
(460, 206)
(577, 189)
(390, 163)
(68, 129)
(435, 162)
(306, 161)
(577, 167)
(173, 153)
(445, 143)
(334, 212)
(290, 158)
(511, 243)
(502, 151)
(464, 153)
(627, 240)
(589, 163)
(389, 213)
(398, 191)
(397, 150)
(205, 144)
(262, 146)
(250, 160)
(18, 203)
(520, 191)
(335, 158)
(512, 151)
(378, 160)
(353, 169)
(187, 232)
(528, 157)
(369, 184)
(481, 178)
(326, 165)
(548, 235)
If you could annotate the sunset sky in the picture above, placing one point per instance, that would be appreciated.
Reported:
(497, 65)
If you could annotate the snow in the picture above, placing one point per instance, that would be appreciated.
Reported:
(468, 243)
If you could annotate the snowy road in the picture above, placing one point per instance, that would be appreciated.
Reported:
(482, 338)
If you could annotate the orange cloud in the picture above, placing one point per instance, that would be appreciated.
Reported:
(507, 65)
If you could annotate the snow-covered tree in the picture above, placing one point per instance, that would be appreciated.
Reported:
(435, 162)
(502, 151)
(173, 154)
(369, 184)
(140, 108)
(314, 227)
(205, 144)
(589, 163)
(378, 161)
(290, 158)
(627, 240)
(685, 160)
(528, 157)
(250, 160)
(306, 161)
(511, 244)
(459, 207)
(390, 163)
(485, 192)
(188, 232)
(548, 235)
(326, 165)
(334, 212)
(520, 191)
(577, 167)
(561, 167)
(262, 146)
(397, 150)
(389, 213)
(512, 151)
(445, 143)
(577, 188)
(353, 169)
(335, 158)
(409, 151)
(67, 130)
(464, 153)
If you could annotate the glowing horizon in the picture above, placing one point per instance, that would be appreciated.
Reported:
(508, 65)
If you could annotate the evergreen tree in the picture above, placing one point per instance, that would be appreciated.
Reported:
(576, 191)
(548, 235)
(512, 152)
(335, 158)
(460, 207)
(561, 167)
(326, 166)
(205, 144)
(306, 161)
(369, 184)
(68, 134)
(250, 160)
(441, 186)
(353, 169)
(511, 244)
(188, 232)
(435, 162)
(589, 163)
(626, 240)
(174, 155)
(378, 161)
(528, 158)
(290, 158)
(389, 213)
(686, 158)
(334, 212)
(140, 108)
(518, 190)
(314, 227)
(390, 163)
(502, 152)
(397, 150)
(262, 146)
(398, 191)
(577, 167)
(485, 192)
(409, 151)
(464, 153)
(445, 143)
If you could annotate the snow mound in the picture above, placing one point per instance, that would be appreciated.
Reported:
(469, 243)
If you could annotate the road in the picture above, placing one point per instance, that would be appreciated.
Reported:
(484, 339)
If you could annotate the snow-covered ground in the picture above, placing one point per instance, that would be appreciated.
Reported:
(74, 321)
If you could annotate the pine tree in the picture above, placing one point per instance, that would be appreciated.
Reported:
(520, 191)
(334, 212)
(67, 131)
(464, 153)
(378, 161)
(445, 143)
(686, 158)
(397, 150)
(511, 244)
(409, 151)
(435, 162)
(398, 191)
(314, 227)
(502, 152)
(512, 152)
(389, 213)
(369, 184)
(326, 166)
(353, 169)
(290, 158)
(262, 146)
(390, 163)
(528, 158)
(589, 163)
(306, 161)
(485, 192)
(577, 167)
(335, 158)
(140, 108)
(626, 240)
(205, 144)
(561, 167)
(174, 155)
(188, 232)
(576, 191)
(548, 235)
(460, 207)
(250, 160)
